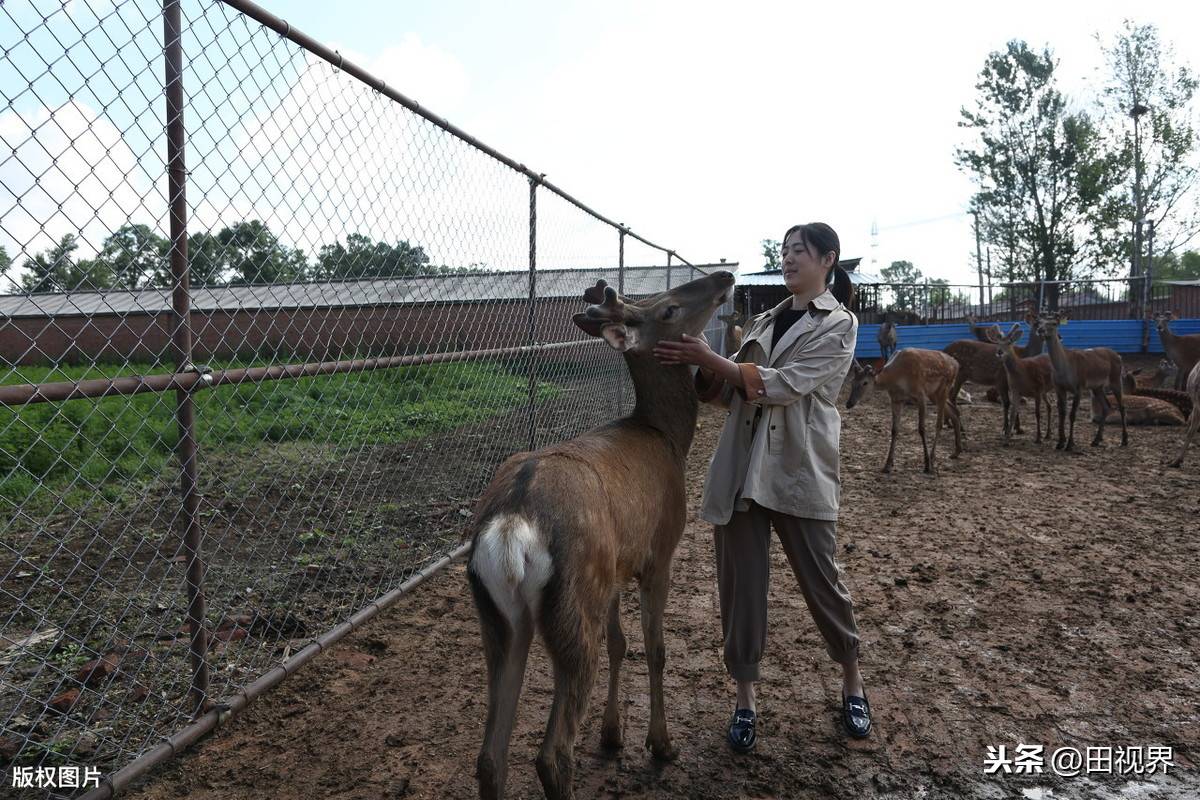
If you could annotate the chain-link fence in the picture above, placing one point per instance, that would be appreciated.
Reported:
(267, 328)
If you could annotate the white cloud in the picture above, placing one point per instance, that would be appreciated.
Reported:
(70, 172)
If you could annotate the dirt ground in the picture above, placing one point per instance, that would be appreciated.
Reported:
(1023, 596)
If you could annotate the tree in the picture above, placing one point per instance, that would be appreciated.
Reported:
(5, 261)
(902, 272)
(360, 258)
(252, 254)
(1039, 169)
(772, 250)
(56, 270)
(1177, 267)
(134, 255)
(1142, 73)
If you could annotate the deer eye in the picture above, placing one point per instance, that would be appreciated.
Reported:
(670, 312)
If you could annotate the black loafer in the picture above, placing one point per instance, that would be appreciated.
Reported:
(742, 736)
(856, 715)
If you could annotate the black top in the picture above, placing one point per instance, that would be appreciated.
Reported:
(784, 320)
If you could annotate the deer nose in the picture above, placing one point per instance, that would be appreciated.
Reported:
(724, 276)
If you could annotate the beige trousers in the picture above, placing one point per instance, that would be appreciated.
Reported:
(743, 571)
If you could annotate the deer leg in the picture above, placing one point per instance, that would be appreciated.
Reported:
(957, 423)
(572, 637)
(1193, 426)
(654, 602)
(1121, 407)
(958, 384)
(887, 465)
(921, 430)
(610, 732)
(1062, 418)
(1098, 401)
(505, 650)
(1075, 397)
(937, 431)
(1037, 415)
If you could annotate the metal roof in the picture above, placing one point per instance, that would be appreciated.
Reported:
(458, 288)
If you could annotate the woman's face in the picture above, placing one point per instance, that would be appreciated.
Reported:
(803, 270)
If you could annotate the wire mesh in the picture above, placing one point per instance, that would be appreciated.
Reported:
(327, 225)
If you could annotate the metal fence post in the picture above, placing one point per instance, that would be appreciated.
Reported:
(1147, 288)
(621, 291)
(533, 358)
(669, 254)
(182, 340)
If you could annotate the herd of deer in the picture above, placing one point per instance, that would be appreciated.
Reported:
(1014, 373)
(560, 530)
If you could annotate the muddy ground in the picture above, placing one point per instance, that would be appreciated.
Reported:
(1023, 596)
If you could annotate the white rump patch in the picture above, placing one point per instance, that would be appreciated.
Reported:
(513, 564)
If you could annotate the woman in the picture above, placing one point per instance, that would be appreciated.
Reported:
(777, 465)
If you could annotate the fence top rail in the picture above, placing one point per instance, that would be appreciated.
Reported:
(1018, 284)
(285, 29)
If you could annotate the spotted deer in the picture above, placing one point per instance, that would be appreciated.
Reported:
(913, 376)
(1095, 369)
(1183, 349)
(560, 530)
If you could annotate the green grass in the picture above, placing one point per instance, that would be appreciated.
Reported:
(111, 443)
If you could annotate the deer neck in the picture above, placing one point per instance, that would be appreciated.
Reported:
(1034, 346)
(666, 400)
(1058, 356)
(1167, 338)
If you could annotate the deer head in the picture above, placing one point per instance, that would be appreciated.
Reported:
(636, 326)
(1004, 344)
(1162, 320)
(862, 378)
(1048, 324)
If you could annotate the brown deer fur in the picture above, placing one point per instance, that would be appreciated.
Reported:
(1096, 369)
(1193, 389)
(1027, 377)
(886, 337)
(733, 331)
(1184, 350)
(913, 376)
(560, 530)
(1148, 411)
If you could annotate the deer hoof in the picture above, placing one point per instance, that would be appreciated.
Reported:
(662, 751)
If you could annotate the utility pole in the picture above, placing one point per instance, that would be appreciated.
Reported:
(979, 260)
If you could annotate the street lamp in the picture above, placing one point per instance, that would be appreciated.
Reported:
(1136, 112)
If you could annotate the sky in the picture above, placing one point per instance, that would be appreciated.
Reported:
(703, 127)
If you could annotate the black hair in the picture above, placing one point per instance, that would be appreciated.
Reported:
(824, 240)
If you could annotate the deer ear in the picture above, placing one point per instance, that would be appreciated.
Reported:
(619, 337)
(589, 325)
(1014, 333)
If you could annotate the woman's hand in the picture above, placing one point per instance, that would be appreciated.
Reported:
(691, 350)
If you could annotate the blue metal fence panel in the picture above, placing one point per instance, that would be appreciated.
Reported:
(1122, 335)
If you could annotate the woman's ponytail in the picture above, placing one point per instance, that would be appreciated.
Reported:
(841, 285)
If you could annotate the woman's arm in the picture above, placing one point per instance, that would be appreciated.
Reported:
(818, 361)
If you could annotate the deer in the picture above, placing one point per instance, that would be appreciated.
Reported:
(1097, 369)
(560, 530)
(913, 376)
(982, 333)
(1026, 377)
(1193, 390)
(887, 339)
(1179, 399)
(1154, 380)
(733, 331)
(978, 364)
(1183, 349)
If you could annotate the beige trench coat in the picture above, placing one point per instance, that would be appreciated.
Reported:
(788, 461)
